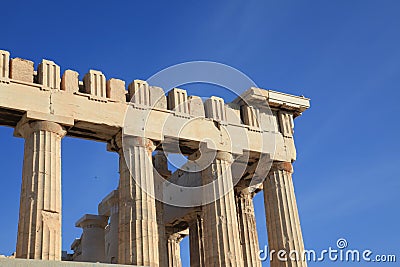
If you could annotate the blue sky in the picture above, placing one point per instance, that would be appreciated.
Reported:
(344, 55)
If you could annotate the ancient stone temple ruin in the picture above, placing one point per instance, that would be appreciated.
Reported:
(141, 222)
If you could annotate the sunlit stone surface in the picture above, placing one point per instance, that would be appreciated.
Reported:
(134, 224)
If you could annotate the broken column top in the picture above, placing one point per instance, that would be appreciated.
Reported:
(92, 220)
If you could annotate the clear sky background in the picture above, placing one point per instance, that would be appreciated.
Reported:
(344, 55)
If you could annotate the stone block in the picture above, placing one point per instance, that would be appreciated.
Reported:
(4, 64)
(215, 108)
(290, 149)
(139, 92)
(233, 113)
(49, 74)
(196, 106)
(115, 90)
(94, 83)
(178, 100)
(269, 121)
(157, 97)
(21, 70)
(70, 81)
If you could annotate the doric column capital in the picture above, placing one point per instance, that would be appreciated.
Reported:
(222, 155)
(117, 143)
(175, 237)
(25, 127)
(246, 193)
(281, 166)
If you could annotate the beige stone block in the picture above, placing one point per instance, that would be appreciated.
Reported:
(94, 83)
(269, 120)
(49, 74)
(139, 92)
(157, 97)
(4, 64)
(196, 106)
(21, 69)
(290, 148)
(215, 108)
(116, 90)
(70, 81)
(233, 113)
(178, 100)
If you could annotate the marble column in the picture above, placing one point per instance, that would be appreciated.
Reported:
(174, 250)
(161, 172)
(283, 224)
(138, 230)
(221, 232)
(196, 242)
(92, 240)
(247, 228)
(39, 226)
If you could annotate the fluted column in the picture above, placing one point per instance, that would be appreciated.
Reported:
(174, 250)
(138, 231)
(39, 226)
(247, 228)
(196, 242)
(161, 172)
(283, 224)
(221, 233)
